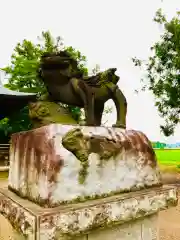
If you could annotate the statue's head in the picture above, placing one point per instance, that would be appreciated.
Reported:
(108, 76)
(75, 142)
(56, 66)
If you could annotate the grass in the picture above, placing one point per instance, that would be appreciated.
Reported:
(169, 160)
(3, 175)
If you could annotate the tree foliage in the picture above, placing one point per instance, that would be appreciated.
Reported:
(22, 71)
(163, 71)
(22, 76)
(19, 122)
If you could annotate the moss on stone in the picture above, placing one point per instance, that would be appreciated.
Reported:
(74, 141)
(46, 203)
(83, 172)
(46, 112)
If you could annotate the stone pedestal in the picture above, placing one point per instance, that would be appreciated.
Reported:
(78, 183)
(129, 216)
(60, 164)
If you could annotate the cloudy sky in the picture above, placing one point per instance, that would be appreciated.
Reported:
(108, 32)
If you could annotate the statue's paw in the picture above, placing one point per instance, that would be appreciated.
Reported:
(119, 125)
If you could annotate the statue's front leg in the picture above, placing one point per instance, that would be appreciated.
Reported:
(121, 108)
(98, 112)
(87, 98)
(90, 121)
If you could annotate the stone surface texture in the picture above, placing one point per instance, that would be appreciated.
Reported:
(143, 229)
(22, 221)
(125, 216)
(45, 112)
(59, 164)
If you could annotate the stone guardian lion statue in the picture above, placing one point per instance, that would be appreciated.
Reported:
(66, 84)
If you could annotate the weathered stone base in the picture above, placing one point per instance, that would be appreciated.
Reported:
(130, 216)
(145, 228)
(61, 164)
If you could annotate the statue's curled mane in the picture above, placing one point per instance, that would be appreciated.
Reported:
(63, 60)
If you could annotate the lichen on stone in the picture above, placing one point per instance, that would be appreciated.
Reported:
(15, 215)
(75, 142)
(107, 214)
(46, 112)
(83, 172)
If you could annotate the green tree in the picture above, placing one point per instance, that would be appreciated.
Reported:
(22, 71)
(19, 122)
(22, 76)
(163, 71)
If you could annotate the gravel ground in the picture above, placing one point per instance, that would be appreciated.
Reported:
(169, 223)
(169, 220)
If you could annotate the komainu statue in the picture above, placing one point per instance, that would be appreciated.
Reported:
(66, 84)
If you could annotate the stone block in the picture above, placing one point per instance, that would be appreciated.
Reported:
(149, 228)
(141, 229)
(123, 217)
(128, 231)
(59, 164)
